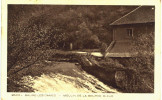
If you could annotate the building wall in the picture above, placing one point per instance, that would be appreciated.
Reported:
(120, 32)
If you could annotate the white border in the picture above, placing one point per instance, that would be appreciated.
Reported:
(122, 96)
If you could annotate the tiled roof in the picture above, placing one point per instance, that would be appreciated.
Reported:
(142, 14)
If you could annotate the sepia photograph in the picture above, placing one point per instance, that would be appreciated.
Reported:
(80, 48)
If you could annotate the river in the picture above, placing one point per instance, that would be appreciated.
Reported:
(66, 77)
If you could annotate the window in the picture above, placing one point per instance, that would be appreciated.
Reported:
(130, 32)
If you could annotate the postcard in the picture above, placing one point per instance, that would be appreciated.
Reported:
(81, 50)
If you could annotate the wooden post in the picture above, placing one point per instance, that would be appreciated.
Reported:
(71, 46)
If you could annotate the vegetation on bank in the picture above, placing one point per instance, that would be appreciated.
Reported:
(144, 63)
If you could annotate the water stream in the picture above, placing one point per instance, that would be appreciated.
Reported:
(66, 77)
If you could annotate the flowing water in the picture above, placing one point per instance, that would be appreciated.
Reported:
(66, 77)
(97, 54)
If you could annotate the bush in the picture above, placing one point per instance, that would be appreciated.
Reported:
(143, 64)
(111, 63)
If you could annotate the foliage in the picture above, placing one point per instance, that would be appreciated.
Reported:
(111, 63)
(41, 27)
(143, 64)
(94, 41)
(145, 48)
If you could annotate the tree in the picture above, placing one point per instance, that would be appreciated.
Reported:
(93, 42)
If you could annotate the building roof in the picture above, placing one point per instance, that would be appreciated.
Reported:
(120, 49)
(142, 14)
